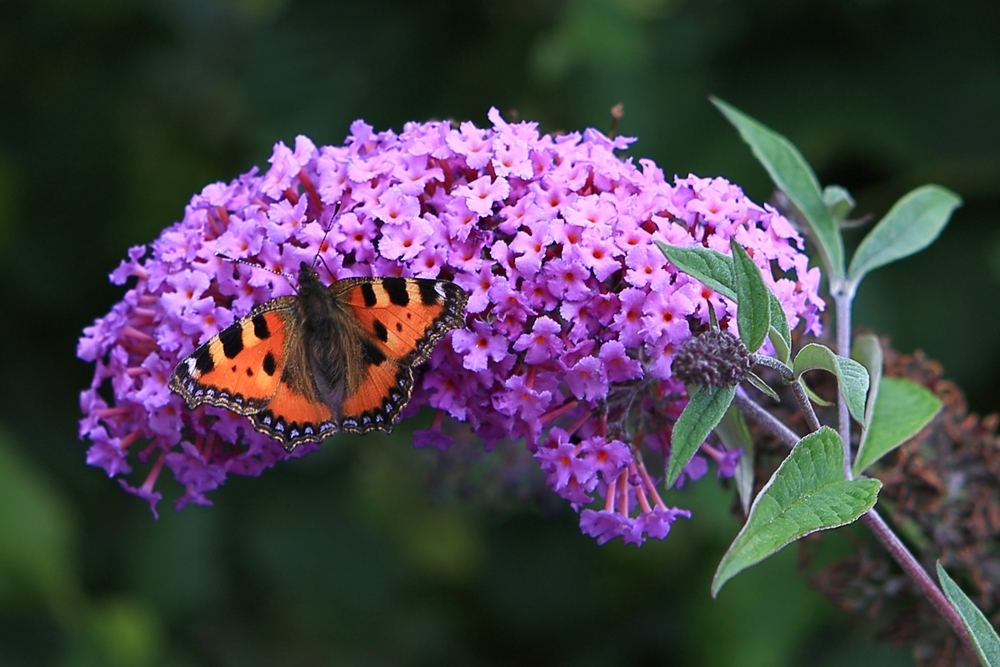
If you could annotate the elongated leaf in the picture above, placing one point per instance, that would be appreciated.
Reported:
(867, 351)
(852, 376)
(910, 226)
(902, 408)
(709, 266)
(984, 636)
(793, 176)
(753, 297)
(808, 492)
(813, 396)
(700, 416)
(762, 386)
(838, 201)
(734, 434)
(780, 335)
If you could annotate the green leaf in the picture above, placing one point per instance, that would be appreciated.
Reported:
(792, 174)
(902, 408)
(762, 386)
(910, 226)
(753, 312)
(838, 201)
(807, 493)
(813, 396)
(709, 266)
(781, 336)
(852, 376)
(867, 351)
(984, 637)
(700, 415)
(734, 434)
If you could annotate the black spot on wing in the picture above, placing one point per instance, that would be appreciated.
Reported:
(380, 331)
(428, 292)
(371, 354)
(249, 373)
(399, 327)
(269, 365)
(260, 329)
(203, 360)
(232, 341)
(396, 289)
(368, 294)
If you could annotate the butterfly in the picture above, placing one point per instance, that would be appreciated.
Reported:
(337, 358)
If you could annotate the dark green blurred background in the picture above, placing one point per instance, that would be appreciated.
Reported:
(113, 112)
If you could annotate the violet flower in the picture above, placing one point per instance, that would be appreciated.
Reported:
(573, 320)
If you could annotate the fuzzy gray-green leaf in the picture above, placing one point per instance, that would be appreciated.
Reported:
(753, 311)
(761, 386)
(852, 376)
(793, 176)
(984, 636)
(838, 201)
(808, 492)
(734, 434)
(910, 226)
(703, 411)
(711, 267)
(780, 335)
(902, 408)
(867, 351)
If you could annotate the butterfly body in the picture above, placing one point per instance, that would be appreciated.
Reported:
(329, 359)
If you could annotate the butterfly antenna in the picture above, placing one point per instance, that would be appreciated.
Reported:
(326, 233)
(329, 271)
(291, 279)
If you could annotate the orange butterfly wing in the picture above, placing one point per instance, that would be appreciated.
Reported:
(403, 319)
(239, 369)
(292, 418)
(244, 369)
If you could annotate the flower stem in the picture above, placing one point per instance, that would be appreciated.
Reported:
(843, 304)
(918, 574)
(765, 419)
(770, 362)
(789, 377)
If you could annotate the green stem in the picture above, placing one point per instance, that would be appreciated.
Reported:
(788, 375)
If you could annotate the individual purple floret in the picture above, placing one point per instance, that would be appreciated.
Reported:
(573, 320)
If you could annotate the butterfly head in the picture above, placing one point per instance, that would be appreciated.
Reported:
(309, 280)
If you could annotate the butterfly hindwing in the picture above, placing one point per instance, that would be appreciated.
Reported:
(380, 398)
(240, 368)
(292, 418)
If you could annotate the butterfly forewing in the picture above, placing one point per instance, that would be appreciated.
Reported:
(240, 368)
(405, 317)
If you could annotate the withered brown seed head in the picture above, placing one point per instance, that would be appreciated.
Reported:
(712, 359)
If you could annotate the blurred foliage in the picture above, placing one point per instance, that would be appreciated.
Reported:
(114, 112)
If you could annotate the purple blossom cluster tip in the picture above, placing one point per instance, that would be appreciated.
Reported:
(573, 320)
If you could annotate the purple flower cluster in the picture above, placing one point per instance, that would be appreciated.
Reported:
(574, 314)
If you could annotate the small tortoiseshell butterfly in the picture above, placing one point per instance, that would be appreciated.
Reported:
(337, 358)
